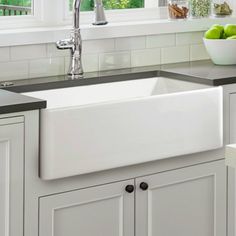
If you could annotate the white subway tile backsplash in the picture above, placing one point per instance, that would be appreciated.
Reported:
(146, 57)
(28, 52)
(175, 54)
(46, 67)
(130, 43)
(29, 61)
(52, 51)
(13, 70)
(4, 54)
(189, 38)
(66, 64)
(198, 52)
(116, 60)
(97, 46)
(90, 62)
(164, 40)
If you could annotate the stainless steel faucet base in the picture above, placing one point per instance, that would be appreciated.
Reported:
(75, 46)
(75, 77)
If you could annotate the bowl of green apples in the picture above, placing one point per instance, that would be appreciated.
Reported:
(220, 43)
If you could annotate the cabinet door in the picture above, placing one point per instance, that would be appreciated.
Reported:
(183, 202)
(11, 179)
(106, 210)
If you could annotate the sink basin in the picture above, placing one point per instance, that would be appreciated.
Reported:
(91, 128)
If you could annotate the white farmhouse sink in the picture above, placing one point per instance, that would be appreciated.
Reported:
(97, 127)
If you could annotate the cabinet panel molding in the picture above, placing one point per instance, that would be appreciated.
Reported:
(11, 120)
(103, 211)
(11, 179)
(5, 188)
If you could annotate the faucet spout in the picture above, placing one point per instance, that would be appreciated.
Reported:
(76, 13)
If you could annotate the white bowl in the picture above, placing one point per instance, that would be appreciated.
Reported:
(221, 51)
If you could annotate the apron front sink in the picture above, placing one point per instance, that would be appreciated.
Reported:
(91, 128)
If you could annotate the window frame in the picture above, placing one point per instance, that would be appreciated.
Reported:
(44, 15)
(24, 20)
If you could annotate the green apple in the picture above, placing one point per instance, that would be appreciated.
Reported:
(230, 30)
(232, 37)
(213, 33)
(219, 27)
(223, 36)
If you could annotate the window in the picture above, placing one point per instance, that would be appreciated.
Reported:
(30, 13)
(41, 13)
(88, 5)
(16, 7)
(119, 10)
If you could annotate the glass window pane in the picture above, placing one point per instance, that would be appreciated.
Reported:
(88, 5)
(15, 7)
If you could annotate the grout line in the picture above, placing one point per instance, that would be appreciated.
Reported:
(10, 53)
(145, 42)
(99, 62)
(115, 44)
(160, 56)
(28, 73)
(190, 52)
(130, 59)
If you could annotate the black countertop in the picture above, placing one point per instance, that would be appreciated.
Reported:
(14, 102)
(204, 72)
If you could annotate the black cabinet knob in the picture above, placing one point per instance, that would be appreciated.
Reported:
(129, 188)
(143, 186)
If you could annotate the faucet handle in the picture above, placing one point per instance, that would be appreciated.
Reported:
(64, 44)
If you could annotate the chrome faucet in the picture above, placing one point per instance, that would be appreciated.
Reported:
(74, 43)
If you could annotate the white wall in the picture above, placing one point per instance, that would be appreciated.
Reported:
(21, 62)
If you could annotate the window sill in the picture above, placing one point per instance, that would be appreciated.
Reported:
(39, 35)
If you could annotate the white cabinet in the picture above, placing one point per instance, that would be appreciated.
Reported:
(106, 210)
(232, 118)
(11, 177)
(187, 201)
